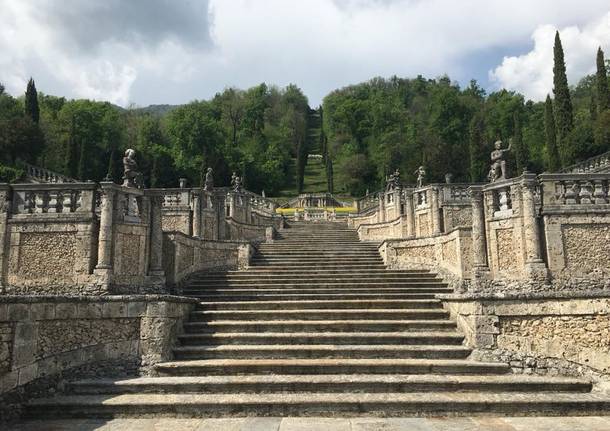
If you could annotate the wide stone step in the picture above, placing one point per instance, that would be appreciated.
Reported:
(294, 325)
(346, 262)
(206, 295)
(315, 254)
(316, 351)
(322, 404)
(318, 266)
(334, 287)
(255, 272)
(328, 304)
(328, 366)
(402, 338)
(377, 280)
(329, 383)
(323, 314)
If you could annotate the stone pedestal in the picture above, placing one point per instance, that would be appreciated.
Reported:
(535, 267)
(103, 268)
(435, 210)
(480, 268)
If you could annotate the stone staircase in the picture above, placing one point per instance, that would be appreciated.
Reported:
(318, 326)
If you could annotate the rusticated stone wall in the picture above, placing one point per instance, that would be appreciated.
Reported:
(457, 216)
(449, 254)
(557, 334)
(50, 255)
(41, 336)
(176, 222)
(184, 255)
(587, 247)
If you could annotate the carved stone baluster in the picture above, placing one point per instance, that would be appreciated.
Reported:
(52, 203)
(572, 191)
(586, 193)
(41, 200)
(600, 193)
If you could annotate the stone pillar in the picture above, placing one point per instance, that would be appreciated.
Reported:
(534, 265)
(410, 213)
(435, 210)
(4, 238)
(156, 236)
(232, 203)
(479, 240)
(381, 209)
(219, 202)
(104, 250)
(197, 204)
(397, 203)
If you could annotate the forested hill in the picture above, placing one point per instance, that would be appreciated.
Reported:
(265, 133)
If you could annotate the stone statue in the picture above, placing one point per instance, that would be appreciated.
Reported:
(208, 185)
(421, 176)
(233, 177)
(498, 164)
(236, 181)
(131, 176)
(263, 194)
(448, 178)
(393, 181)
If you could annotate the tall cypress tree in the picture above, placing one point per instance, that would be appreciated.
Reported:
(82, 161)
(329, 175)
(476, 165)
(564, 119)
(603, 95)
(72, 160)
(31, 102)
(553, 160)
(520, 150)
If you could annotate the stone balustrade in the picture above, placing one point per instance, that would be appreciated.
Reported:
(92, 239)
(37, 174)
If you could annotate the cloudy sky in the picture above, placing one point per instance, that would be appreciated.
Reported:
(173, 51)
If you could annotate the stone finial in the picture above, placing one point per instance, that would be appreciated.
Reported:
(497, 171)
(448, 178)
(208, 185)
(182, 183)
(131, 176)
(421, 176)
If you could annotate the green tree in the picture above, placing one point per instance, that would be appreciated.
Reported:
(519, 149)
(603, 95)
(476, 169)
(553, 162)
(564, 119)
(32, 109)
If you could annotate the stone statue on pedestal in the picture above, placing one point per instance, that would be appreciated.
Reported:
(209, 181)
(236, 181)
(498, 164)
(233, 177)
(421, 176)
(393, 181)
(131, 176)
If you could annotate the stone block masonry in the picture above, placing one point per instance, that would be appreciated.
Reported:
(543, 334)
(44, 337)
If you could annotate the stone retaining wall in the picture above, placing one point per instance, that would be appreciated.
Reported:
(43, 338)
(184, 255)
(549, 334)
(449, 254)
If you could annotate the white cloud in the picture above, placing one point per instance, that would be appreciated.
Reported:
(532, 73)
(164, 51)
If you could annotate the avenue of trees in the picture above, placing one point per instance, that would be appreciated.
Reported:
(264, 133)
